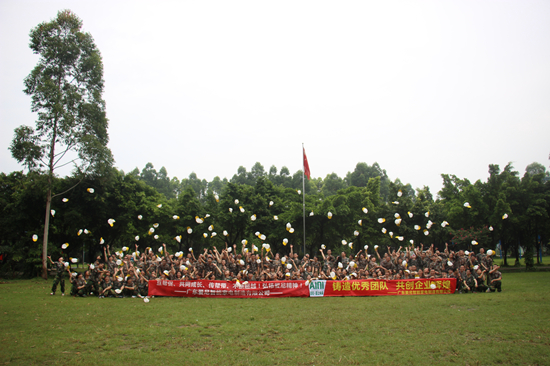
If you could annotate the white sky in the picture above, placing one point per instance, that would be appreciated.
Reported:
(421, 87)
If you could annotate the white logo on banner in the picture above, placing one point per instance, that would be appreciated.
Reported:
(317, 288)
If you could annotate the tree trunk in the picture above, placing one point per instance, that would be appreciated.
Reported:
(538, 245)
(49, 196)
(46, 231)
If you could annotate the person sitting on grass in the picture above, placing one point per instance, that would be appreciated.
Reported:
(129, 288)
(470, 282)
(91, 284)
(143, 286)
(495, 279)
(79, 285)
(480, 279)
(107, 288)
(118, 285)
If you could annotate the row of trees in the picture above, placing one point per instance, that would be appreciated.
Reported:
(356, 212)
(172, 187)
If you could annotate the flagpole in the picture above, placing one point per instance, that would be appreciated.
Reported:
(304, 195)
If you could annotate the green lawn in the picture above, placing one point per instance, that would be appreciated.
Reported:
(512, 327)
(512, 261)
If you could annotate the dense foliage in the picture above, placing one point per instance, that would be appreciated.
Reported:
(133, 200)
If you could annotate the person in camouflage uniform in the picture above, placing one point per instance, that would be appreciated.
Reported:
(343, 259)
(91, 283)
(107, 287)
(495, 279)
(79, 285)
(386, 261)
(422, 261)
(480, 276)
(232, 266)
(372, 264)
(252, 263)
(130, 289)
(481, 255)
(118, 284)
(412, 259)
(316, 266)
(60, 269)
(361, 260)
(487, 262)
(328, 260)
(461, 260)
(470, 282)
(472, 261)
(143, 286)
(305, 261)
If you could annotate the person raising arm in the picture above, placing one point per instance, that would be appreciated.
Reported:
(496, 279)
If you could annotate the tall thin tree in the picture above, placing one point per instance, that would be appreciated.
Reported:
(66, 88)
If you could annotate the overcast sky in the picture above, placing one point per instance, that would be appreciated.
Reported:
(421, 87)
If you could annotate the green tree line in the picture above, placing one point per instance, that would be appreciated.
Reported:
(365, 207)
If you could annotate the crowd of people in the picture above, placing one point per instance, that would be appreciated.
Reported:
(122, 274)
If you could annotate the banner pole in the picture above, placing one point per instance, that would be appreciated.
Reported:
(304, 196)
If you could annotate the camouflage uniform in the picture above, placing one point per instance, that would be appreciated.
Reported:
(328, 263)
(117, 285)
(232, 267)
(105, 285)
(461, 261)
(481, 287)
(111, 265)
(437, 265)
(78, 282)
(371, 265)
(361, 263)
(497, 284)
(131, 290)
(385, 262)
(143, 288)
(413, 261)
(316, 266)
(253, 265)
(472, 262)
(481, 257)
(59, 277)
(72, 280)
(470, 281)
(91, 285)
(488, 262)
(345, 261)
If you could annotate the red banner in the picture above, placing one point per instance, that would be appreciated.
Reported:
(385, 287)
(253, 289)
(320, 288)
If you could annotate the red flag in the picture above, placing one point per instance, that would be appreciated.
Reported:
(306, 166)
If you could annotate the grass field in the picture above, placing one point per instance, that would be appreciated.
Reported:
(508, 328)
(512, 261)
